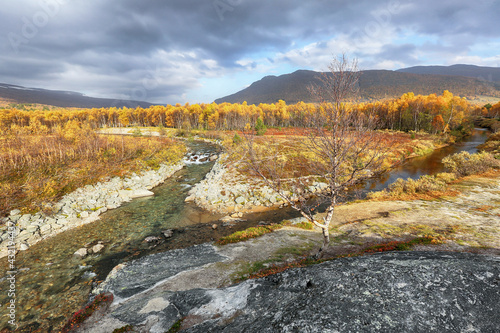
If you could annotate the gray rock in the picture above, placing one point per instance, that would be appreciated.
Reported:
(391, 292)
(142, 274)
(141, 193)
(24, 235)
(32, 228)
(24, 221)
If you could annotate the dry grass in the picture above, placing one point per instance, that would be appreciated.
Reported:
(291, 148)
(39, 167)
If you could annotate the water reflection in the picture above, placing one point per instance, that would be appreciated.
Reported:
(428, 164)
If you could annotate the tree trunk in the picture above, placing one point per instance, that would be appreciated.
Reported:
(326, 229)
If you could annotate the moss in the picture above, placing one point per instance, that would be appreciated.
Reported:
(176, 327)
(293, 250)
(126, 328)
(405, 245)
(306, 225)
(249, 233)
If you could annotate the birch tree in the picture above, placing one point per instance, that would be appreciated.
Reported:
(337, 150)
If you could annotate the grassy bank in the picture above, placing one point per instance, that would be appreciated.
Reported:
(38, 166)
(433, 186)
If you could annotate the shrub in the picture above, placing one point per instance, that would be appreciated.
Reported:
(306, 225)
(249, 233)
(413, 188)
(492, 145)
(237, 139)
(422, 185)
(465, 164)
(447, 177)
(260, 128)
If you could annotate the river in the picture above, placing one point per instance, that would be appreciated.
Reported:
(51, 284)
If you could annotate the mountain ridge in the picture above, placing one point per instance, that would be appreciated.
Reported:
(373, 84)
(60, 98)
(483, 73)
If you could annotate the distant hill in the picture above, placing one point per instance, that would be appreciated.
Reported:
(66, 99)
(373, 84)
(491, 74)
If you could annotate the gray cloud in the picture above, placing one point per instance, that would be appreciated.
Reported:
(164, 48)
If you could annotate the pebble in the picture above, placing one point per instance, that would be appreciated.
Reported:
(167, 233)
(97, 248)
(151, 239)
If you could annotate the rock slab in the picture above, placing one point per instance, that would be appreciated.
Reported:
(390, 292)
(134, 277)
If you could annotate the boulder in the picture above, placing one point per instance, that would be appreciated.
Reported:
(97, 248)
(141, 193)
(15, 212)
(81, 253)
(240, 200)
(167, 233)
(139, 275)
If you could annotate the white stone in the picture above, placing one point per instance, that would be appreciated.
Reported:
(15, 212)
(97, 248)
(141, 193)
(155, 305)
(81, 253)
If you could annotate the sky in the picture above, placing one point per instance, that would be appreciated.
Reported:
(178, 51)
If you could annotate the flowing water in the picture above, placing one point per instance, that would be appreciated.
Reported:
(428, 164)
(51, 285)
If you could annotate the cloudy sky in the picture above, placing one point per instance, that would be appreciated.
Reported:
(177, 51)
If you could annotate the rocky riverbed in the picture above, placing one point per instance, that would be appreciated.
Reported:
(225, 190)
(81, 207)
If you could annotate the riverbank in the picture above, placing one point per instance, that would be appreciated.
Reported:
(468, 222)
(80, 207)
(227, 190)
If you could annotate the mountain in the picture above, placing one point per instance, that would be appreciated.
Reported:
(66, 99)
(373, 84)
(490, 74)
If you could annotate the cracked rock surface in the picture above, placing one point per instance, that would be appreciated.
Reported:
(389, 292)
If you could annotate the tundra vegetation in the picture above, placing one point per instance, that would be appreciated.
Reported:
(40, 164)
(46, 152)
(340, 148)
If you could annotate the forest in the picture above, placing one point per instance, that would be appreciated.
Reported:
(431, 113)
(48, 152)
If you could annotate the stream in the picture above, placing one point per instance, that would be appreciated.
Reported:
(51, 284)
